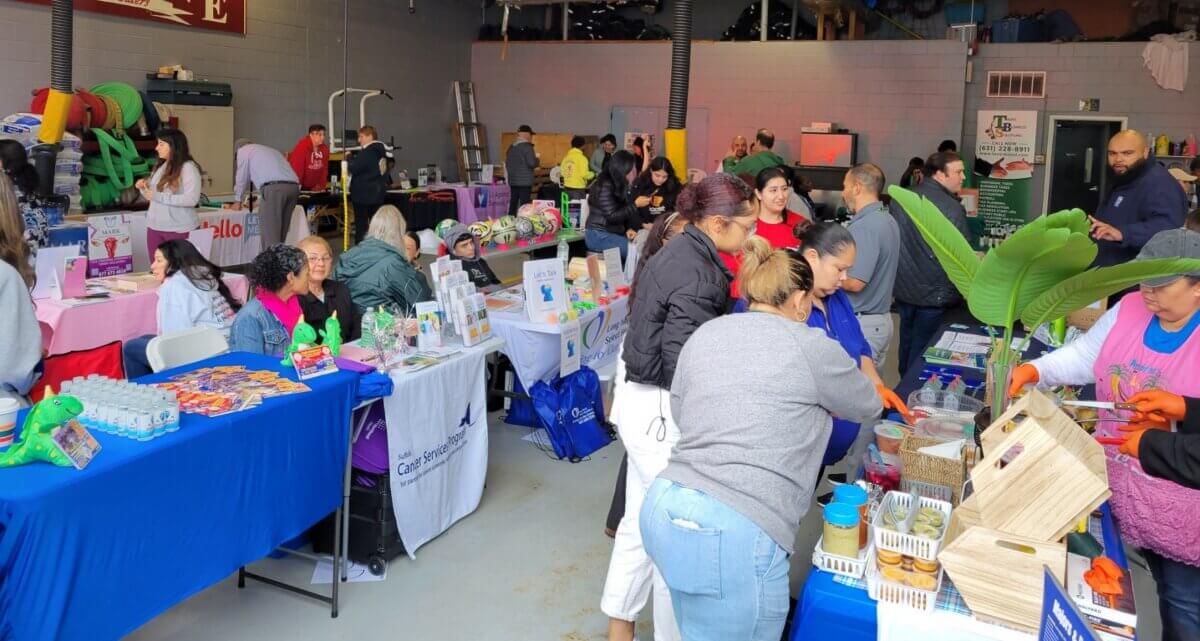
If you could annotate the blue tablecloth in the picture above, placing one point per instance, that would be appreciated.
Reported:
(94, 554)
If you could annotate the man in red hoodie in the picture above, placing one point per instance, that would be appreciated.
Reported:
(310, 160)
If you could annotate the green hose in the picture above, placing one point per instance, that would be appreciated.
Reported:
(126, 96)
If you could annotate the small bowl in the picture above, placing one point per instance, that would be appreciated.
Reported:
(889, 436)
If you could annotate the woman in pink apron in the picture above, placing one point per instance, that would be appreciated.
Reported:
(1148, 341)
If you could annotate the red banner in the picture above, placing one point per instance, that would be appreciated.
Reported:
(218, 15)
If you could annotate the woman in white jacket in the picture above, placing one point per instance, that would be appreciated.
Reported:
(192, 295)
(173, 191)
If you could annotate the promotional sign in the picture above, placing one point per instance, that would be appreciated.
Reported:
(237, 238)
(438, 448)
(569, 349)
(313, 362)
(1061, 620)
(217, 15)
(109, 246)
(1004, 152)
(602, 334)
(545, 292)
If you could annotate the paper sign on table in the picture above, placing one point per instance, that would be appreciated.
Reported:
(110, 245)
(614, 272)
(473, 319)
(49, 267)
(313, 362)
(545, 293)
(571, 349)
(73, 281)
(429, 325)
(76, 443)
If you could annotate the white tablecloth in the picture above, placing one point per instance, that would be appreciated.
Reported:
(898, 623)
(534, 348)
(236, 239)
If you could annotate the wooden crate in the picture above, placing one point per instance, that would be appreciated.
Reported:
(1041, 478)
(1000, 575)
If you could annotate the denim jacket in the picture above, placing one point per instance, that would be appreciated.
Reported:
(256, 330)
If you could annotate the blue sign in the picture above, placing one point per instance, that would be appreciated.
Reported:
(1061, 620)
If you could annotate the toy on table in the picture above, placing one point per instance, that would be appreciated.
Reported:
(303, 336)
(331, 336)
(37, 442)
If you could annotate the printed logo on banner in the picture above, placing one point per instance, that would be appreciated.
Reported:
(217, 15)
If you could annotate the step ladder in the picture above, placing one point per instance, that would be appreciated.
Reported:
(468, 135)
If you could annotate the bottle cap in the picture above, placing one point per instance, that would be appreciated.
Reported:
(841, 514)
(849, 494)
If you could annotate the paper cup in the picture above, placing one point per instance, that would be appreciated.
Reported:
(8, 421)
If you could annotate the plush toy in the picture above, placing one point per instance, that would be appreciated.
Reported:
(443, 227)
(331, 336)
(37, 443)
(302, 337)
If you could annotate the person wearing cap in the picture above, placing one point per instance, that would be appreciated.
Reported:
(1187, 181)
(278, 187)
(521, 160)
(1142, 201)
(1147, 341)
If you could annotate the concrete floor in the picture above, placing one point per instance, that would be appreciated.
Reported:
(528, 565)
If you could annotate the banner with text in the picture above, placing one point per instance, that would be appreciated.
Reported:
(217, 15)
(437, 446)
(1004, 152)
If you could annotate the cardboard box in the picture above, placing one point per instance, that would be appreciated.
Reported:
(1115, 619)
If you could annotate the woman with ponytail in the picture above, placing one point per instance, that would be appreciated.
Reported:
(753, 395)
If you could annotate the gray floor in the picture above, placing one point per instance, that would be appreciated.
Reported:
(528, 565)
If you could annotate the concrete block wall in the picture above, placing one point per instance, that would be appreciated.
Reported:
(1112, 72)
(902, 98)
(282, 70)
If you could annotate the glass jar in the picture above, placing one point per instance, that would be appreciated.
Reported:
(840, 536)
(855, 497)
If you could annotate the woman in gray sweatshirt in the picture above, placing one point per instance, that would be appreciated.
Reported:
(753, 395)
(21, 349)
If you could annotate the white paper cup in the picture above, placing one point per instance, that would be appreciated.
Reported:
(8, 420)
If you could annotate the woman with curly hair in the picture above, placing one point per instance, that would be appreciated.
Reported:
(264, 325)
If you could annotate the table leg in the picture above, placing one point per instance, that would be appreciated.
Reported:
(338, 562)
(241, 577)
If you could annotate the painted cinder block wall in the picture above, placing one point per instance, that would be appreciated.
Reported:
(282, 70)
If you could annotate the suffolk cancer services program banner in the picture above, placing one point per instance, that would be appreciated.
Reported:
(1004, 151)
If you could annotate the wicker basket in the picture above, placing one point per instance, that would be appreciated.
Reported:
(933, 470)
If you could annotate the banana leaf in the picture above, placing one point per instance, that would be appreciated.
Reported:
(1092, 285)
(952, 250)
(1043, 253)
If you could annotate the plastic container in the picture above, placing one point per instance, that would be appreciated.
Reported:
(8, 421)
(855, 496)
(928, 490)
(944, 429)
(912, 545)
(881, 474)
(840, 536)
(889, 436)
(840, 565)
(881, 589)
(927, 402)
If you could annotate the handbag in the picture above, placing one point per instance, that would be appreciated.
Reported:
(571, 410)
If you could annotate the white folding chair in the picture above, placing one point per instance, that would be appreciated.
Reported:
(185, 347)
(556, 176)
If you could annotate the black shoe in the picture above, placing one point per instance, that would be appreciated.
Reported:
(837, 477)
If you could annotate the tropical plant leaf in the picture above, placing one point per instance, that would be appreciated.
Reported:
(1090, 286)
(1041, 254)
(952, 250)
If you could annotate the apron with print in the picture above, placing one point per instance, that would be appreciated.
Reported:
(1153, 513)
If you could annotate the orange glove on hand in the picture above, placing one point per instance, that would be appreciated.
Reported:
(892, 402)
(1130, 446)
(1025, 374)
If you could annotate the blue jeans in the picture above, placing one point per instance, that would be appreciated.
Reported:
(598, 240)
(136, 363)
(917, 327)
(728, 578)
(1178, 586)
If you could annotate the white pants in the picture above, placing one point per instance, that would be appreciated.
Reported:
(643, 417)
(878, 328)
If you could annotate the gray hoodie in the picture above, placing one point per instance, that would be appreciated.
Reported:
(21, 349)
(477, 268)
(753, 396)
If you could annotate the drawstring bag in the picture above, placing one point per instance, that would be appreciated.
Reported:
(571, 410)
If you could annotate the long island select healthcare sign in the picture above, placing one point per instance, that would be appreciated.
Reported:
(217, 15)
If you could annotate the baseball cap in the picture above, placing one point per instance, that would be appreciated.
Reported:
(1172, 243)
(1182, 174)
(525, 129)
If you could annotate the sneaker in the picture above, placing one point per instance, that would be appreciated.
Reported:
(837, 477)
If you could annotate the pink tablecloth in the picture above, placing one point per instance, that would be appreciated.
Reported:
(120, 318)
(479, 202)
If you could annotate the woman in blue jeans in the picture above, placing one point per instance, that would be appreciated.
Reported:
(612, 212)
(752, 395)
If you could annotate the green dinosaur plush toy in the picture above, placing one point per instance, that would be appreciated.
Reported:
(331, 336)
(36, 442)
(303, 336)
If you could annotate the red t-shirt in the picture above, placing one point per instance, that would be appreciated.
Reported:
(311, 165)
(778, 234)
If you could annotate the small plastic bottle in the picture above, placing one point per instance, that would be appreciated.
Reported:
(368, 329)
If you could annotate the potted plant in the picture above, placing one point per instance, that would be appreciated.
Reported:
(1038, 274)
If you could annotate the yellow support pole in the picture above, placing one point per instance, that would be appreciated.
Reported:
(345, 204)
(54, 120)
(675, 146)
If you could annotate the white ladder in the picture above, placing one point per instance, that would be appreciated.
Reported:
(472, 155)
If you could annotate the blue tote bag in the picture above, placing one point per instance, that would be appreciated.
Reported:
(571, 410)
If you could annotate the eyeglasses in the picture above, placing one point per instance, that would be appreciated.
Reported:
(320, 259)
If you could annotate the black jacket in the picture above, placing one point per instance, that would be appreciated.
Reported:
(609, 208)
(1175, 456)
(920, 279)
(367, 184)
(1150, 203)
(662, 201)
(681, 287)
(337, 299)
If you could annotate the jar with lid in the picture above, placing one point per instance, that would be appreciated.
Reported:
(855, 497)
(840, 536)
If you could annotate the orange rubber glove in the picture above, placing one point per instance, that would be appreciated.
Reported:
(892, 402)
(1130, 446)
(1025, 374)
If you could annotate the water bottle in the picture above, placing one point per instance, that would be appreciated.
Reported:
(564, 255)
(368, 329)
(172, 415)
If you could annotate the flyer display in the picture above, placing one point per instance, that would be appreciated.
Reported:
(1004, 157)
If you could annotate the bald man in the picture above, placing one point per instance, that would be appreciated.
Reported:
(1142, 200)
(761, 158)
(737, 151)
